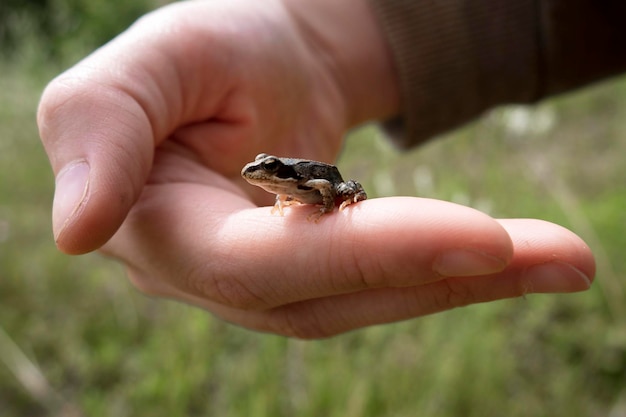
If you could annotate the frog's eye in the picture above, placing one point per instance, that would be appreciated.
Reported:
(271, 164)
(261, 156)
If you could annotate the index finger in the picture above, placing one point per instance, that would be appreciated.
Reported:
(190, 243)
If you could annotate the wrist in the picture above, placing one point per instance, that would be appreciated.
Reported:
(349, 41)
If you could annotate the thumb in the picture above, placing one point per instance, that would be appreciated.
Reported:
(99, 123)
(100, 144)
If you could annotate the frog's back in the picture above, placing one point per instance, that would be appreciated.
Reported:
(319, 170)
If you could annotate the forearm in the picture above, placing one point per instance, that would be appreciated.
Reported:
(350, 41)
(456, 59)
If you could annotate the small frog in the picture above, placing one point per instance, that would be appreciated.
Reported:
(297, 181)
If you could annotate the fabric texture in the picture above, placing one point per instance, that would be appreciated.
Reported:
(455, 59)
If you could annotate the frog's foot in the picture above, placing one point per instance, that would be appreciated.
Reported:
(283, 201)
(346, 203)
(317, 215)
(351, 192)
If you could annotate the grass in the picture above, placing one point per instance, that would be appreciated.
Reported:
(77, 339)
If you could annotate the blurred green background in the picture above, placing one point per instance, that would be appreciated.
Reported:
(76, 339)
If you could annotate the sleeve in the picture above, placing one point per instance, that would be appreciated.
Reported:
(458, 58)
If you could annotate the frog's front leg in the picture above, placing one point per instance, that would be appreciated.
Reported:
(283, 200)
(326, 190)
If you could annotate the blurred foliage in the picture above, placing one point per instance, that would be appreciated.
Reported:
(76, 339)
(63, 29)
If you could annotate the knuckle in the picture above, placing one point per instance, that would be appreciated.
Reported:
(300, 322)
(224, 289)
(356, 271)
(56, 97)
(454, 293)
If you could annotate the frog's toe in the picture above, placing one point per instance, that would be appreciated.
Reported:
(316, 216)
(278, 208)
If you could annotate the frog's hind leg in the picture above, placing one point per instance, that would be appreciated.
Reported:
(350, 192)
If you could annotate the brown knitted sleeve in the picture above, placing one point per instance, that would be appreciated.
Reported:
(457, 58)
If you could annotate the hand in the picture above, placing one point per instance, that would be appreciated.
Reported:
(147, 137)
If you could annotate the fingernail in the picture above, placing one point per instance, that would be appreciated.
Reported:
(464, 262)
(70, 195)
(554, 277)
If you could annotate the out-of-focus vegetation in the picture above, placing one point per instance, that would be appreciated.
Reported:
(53, 31)
(76, 339)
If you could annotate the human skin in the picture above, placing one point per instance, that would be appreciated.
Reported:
(147, 137)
